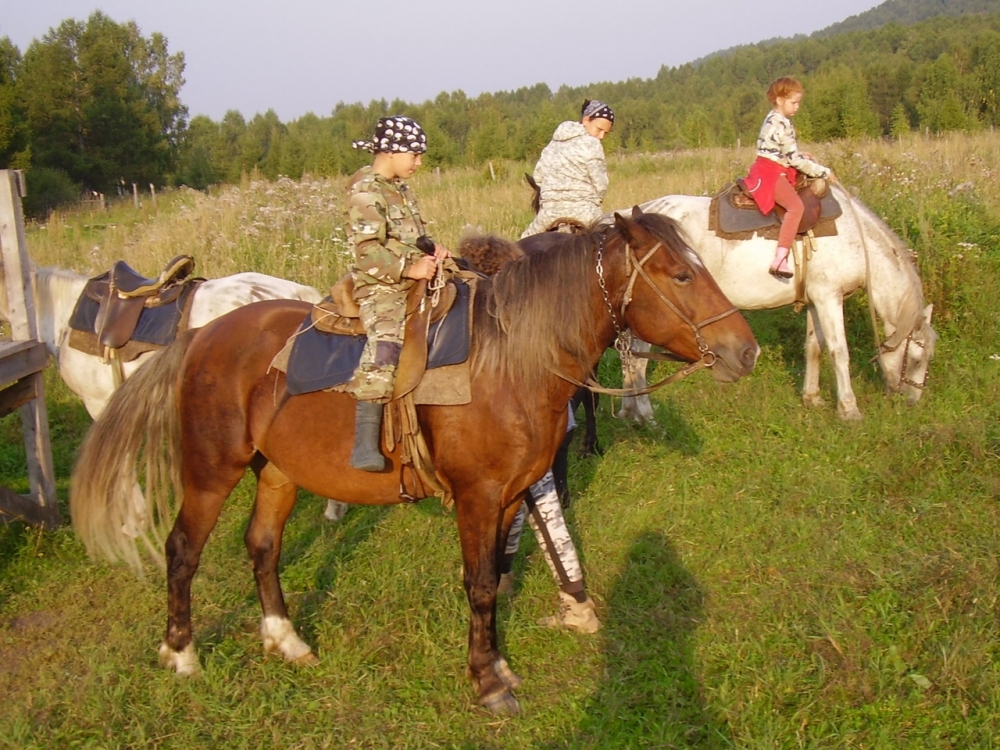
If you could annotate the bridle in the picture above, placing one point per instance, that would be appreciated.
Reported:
(635, 268)
(886, 348)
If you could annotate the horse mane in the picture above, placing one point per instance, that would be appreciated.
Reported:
(536, 309)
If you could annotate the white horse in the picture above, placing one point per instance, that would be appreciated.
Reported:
(863, 253)
(55, 294)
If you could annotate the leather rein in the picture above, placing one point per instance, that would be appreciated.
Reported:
(623, 337)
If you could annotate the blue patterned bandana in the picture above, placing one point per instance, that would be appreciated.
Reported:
(593, 108)
(395, 135)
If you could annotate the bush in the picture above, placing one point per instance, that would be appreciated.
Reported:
(48, 189)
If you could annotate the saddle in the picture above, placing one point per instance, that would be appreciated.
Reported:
(122, 307)
(122, 294)
(733, 213)
(325, 351)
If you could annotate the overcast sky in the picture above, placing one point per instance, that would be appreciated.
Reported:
(299, 56)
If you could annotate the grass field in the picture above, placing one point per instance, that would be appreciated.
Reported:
(768, 576)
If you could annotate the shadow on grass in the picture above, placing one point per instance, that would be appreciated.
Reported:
(650, 695)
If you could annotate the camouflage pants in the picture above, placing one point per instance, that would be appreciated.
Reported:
(550, 529)
(383, 315)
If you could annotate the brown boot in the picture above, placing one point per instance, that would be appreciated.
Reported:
(574, 615)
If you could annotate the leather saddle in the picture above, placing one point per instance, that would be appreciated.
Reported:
(327, 348)
(122, 294)
(735, 214)
(113, 303)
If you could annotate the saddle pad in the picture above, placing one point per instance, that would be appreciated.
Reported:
(733, 223)
(318, 361)
(157, 325)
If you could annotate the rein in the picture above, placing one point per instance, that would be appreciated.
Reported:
(623, 338)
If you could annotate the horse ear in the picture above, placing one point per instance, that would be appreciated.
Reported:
(636, 213)
(626, 226)
(927, 313)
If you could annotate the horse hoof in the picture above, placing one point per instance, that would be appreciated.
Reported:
(507, 675)
(814, 401)
(502, 703)
(851, 415)
(306, 660)
(335, 510)
(184, 662)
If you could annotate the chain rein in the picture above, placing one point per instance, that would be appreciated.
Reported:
(624, 337)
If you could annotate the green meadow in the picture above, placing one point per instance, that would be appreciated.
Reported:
(768, 576)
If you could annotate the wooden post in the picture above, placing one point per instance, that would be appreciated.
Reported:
(22, 362)
(135, 195)
(152, 194)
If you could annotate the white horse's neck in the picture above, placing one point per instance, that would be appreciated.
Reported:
(56, 292)
(895, 288)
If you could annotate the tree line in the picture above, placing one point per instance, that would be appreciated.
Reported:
(94, 105)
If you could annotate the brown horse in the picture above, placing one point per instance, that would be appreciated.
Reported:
(546, 316)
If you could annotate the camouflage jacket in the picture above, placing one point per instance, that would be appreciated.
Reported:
(383, 224)
(572, 176)
(777, 142)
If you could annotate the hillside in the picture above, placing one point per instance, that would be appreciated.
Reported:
(909, 12)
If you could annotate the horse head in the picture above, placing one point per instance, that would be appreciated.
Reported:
(905, 356)
(669, 298)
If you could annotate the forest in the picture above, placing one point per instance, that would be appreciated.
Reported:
(94, 105)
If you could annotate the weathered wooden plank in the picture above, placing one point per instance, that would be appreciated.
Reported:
(14, 250)
(21, 313)
(15, 507)
(15, 396)
(18, 359)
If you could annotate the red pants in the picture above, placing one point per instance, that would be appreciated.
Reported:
(786, 197)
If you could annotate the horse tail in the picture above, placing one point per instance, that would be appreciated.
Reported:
(536, 198)
(137, 436)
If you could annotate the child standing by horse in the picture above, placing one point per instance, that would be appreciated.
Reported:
(383, 225)
(572, 179)
(772, 177)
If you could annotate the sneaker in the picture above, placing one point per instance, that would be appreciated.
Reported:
(574, 615)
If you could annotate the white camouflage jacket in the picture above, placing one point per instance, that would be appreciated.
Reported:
(573, 177)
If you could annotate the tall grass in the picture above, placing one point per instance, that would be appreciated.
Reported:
(768, 576)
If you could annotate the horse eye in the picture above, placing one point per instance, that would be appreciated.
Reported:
(683, 278)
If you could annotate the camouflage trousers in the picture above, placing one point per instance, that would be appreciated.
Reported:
(383, 315)
(550, 529)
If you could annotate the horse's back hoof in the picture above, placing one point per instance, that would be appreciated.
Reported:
(502, 703)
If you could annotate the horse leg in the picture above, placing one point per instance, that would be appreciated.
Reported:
(591, 446)
(814, 345)
(275, 499)
(483, 530)
(638, 408)
(830, 327)
(197, 517)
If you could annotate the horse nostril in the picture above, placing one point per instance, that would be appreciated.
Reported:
(750, 355)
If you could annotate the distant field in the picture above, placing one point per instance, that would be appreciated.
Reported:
(768, 576)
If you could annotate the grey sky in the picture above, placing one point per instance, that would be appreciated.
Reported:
(299, 56)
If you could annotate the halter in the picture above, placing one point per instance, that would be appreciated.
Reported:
(886, 348)
(623, 338)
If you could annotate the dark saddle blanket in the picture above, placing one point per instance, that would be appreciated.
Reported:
(320, 360)
(733, 214)
(122, 307)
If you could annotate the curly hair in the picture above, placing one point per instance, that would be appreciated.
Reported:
(782, 88)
